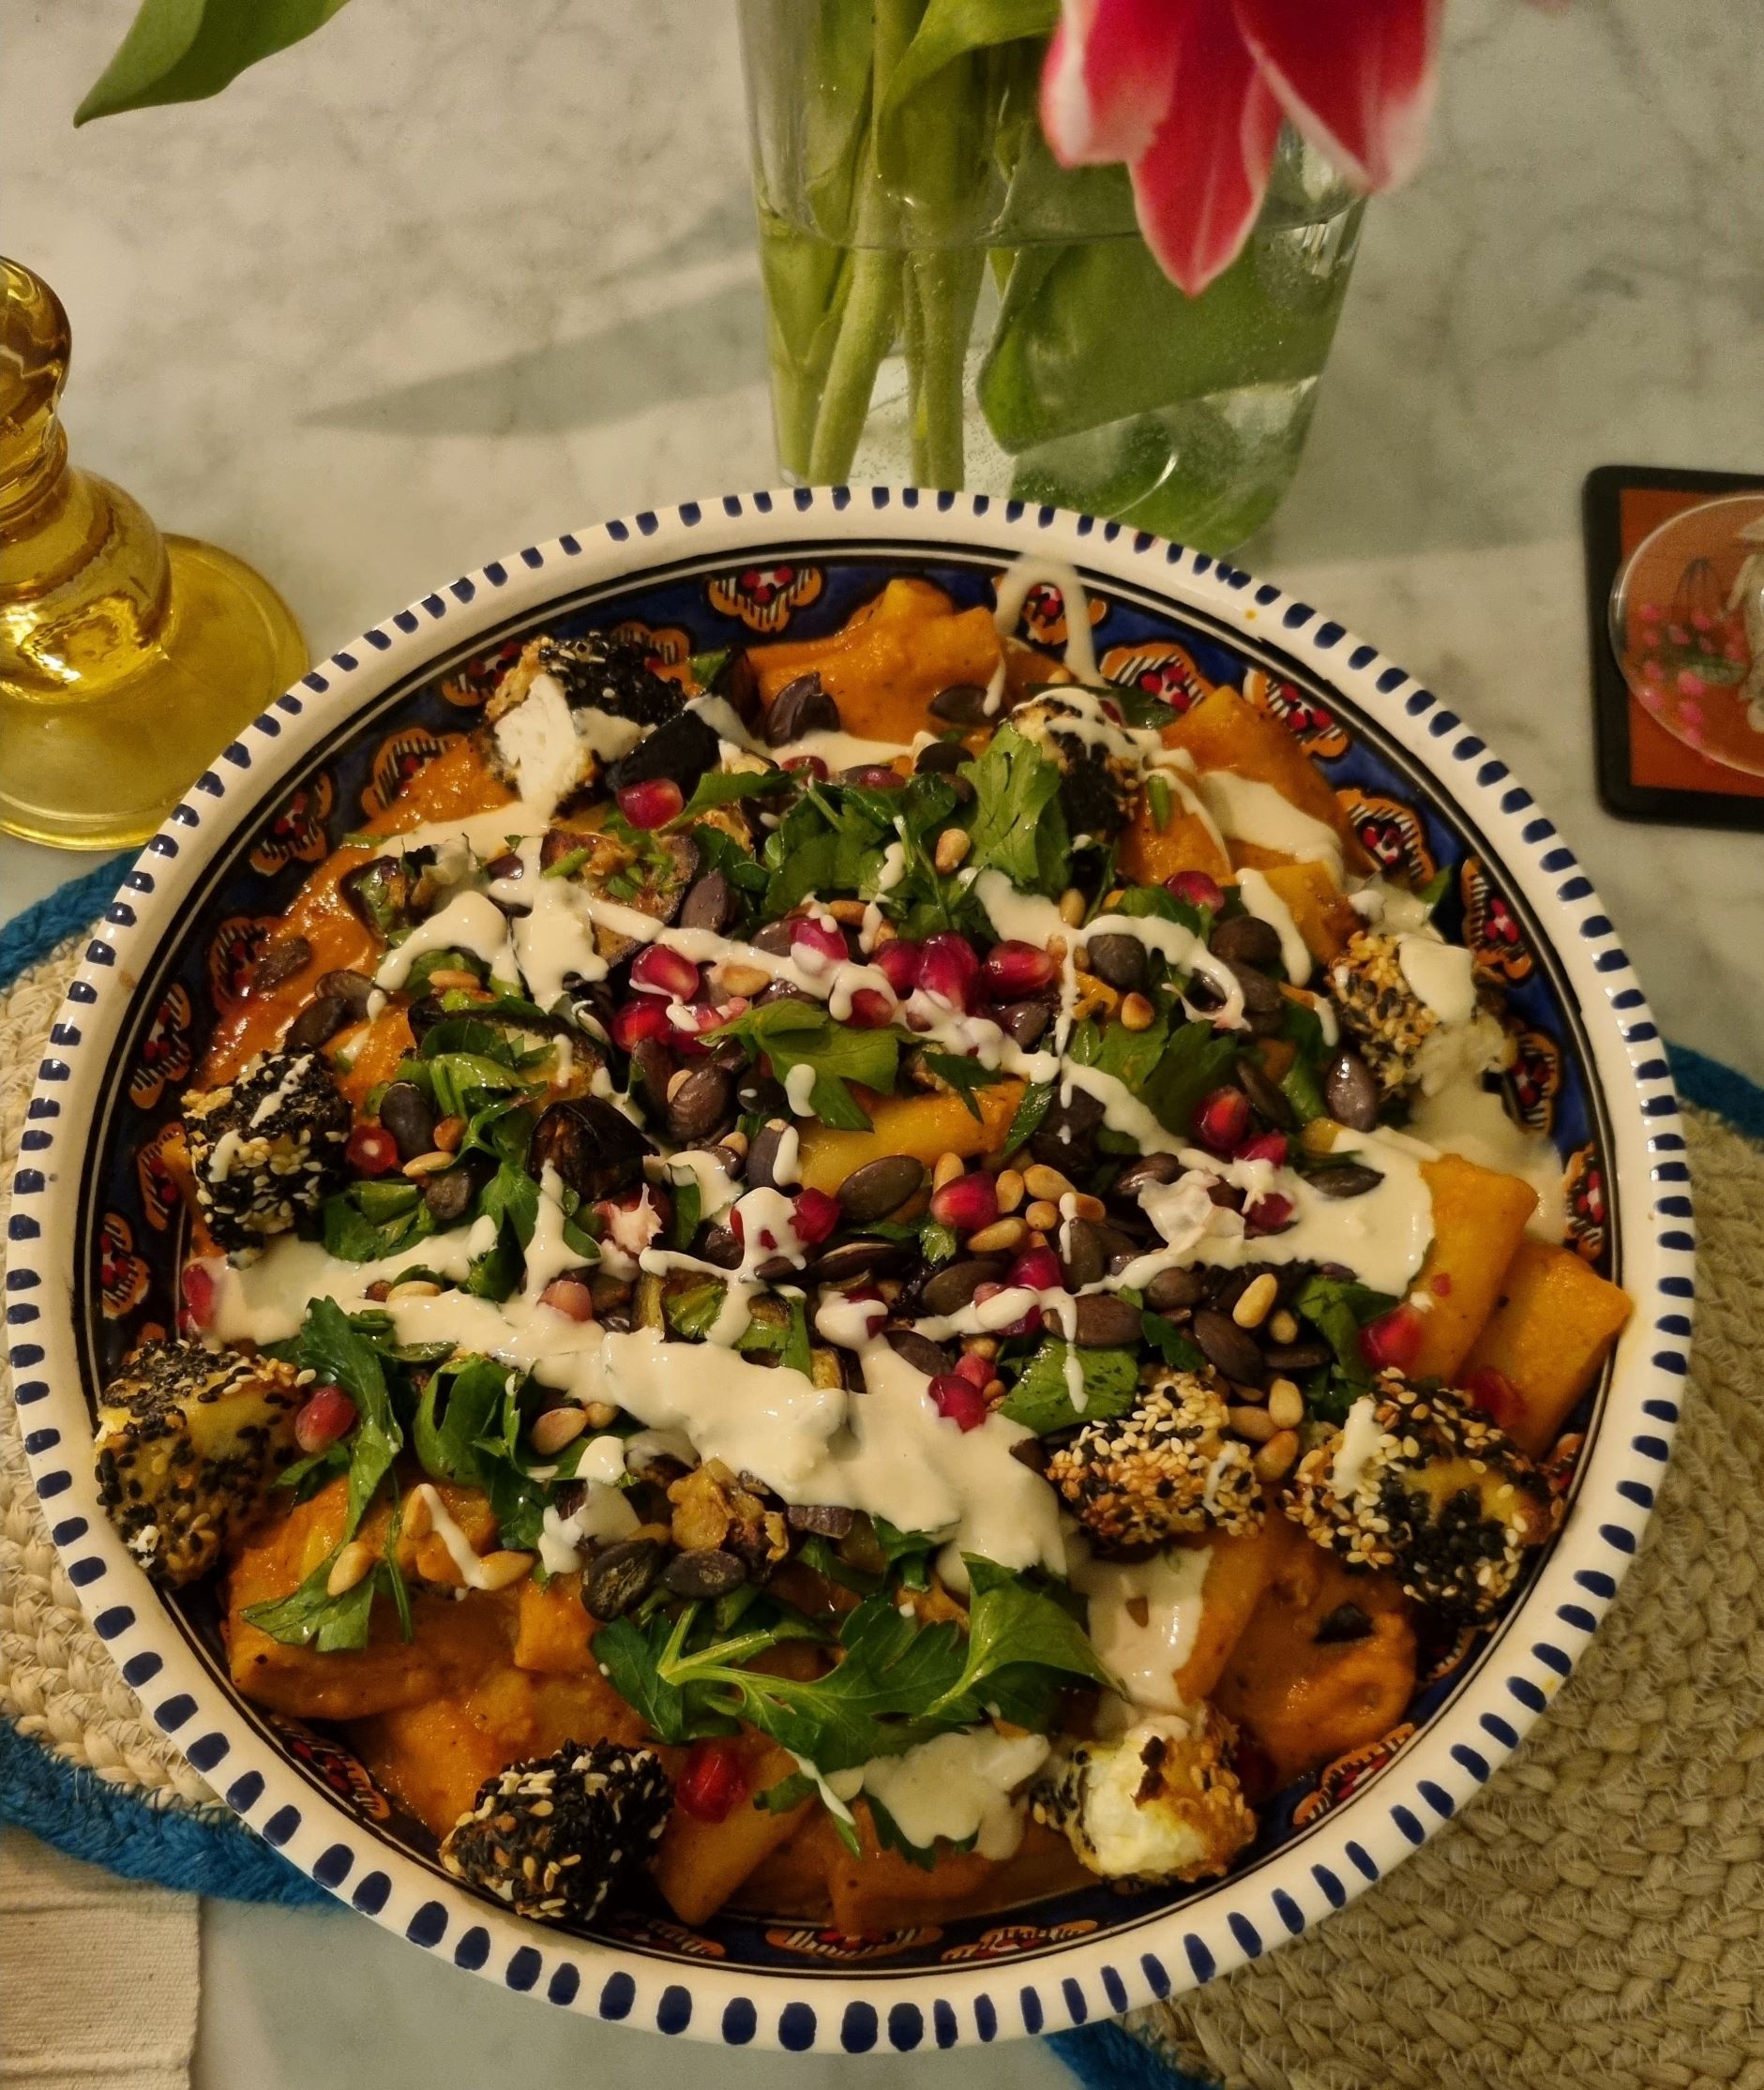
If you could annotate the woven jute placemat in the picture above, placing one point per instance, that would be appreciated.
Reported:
(1595, 1918)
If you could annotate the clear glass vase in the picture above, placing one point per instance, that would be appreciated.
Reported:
(948, 307)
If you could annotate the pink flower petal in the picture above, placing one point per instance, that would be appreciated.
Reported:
(1105, 84)
(1200, 184)
(1356, 77)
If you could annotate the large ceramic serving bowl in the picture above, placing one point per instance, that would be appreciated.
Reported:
(93, 1245)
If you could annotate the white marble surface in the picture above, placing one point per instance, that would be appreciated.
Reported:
(450, 277)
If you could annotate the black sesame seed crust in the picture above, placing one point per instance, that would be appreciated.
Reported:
(266, 1147)
(1446, 1498)
(188, 1440)
(553, 1836)
(1165, 1469)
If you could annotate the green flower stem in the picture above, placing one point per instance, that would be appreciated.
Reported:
(943, 290)
(866, 334)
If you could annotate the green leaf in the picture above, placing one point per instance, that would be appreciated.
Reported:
(719, 787)
(630, 1656)
(1015, 825)
(307, 1616)
(1042, 1401)
(1037, 1100)
(1170, 1344)
(947, 31)
(459, 1405)
(1301, 1085)
(1010, 1622)
(963, 1075)
(691, 1311)
(339, 1354)
(372, 1220)
(802, 1034)
(1197, 1059)
(1339, 1308)
(511, 1198)
(688, 1202)
(187, 49)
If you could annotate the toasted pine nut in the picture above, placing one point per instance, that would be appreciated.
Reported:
(1283, 1325)
(1041, 1182)
(993, 1391)
(1255, 1299)
(1003, 1233)
(1276, 1456)
(418, 1518)
(980, 1345)
(448, 1134)
(948, 1168)
(1042, 1215)
(499, 1570)
(1072, 907)
(450, 976)
(349, 1568)
(428, 1164)
(599, 1414)
(1137, 1013)
(1318, 1136)
(952, 845)
(1253, 1424)
(679, 1075)
(557, 1427)
(734, 1143)
(847, 914)
(1286, 1403)
(1078, 1204)
(415, 1288)
(742, 979)
(1010, 1189)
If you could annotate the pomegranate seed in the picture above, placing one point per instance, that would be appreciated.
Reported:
(814, 1215)
(967, 1203)
(1026, 1322)
(1392, 1342)
(326, 1414)
(372, 1150)
(877, 776)
(665, 971)
(1196, 887)
(900, 961)
(641, 1018)
(198, 1287)
(1440, 1284)
(1221, 1120)
(653, 803)
(1271, 1214)
(714, 1778)
(1014, 969)
(1038, 1271)
(949, 969)
(570, 1296)
(1495, 1393)
(809, 765)
(957, 1401)
(871, 1009)
(1265, 1146)
(815, 945)
(978, 1371)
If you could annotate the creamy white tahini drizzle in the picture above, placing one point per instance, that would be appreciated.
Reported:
(1259, 897)
(1144, 1617)
(959, 1785)
(1014, 583)
(1247, 810)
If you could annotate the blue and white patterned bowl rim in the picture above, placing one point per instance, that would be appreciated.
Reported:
(865, 2009)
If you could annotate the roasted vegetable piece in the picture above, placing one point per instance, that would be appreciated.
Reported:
(266, 1147)
(187, 1441)
(555, 1835)
(595, 1150)
(1166, 1467)
(1161, 1803)
(1416, 1481)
